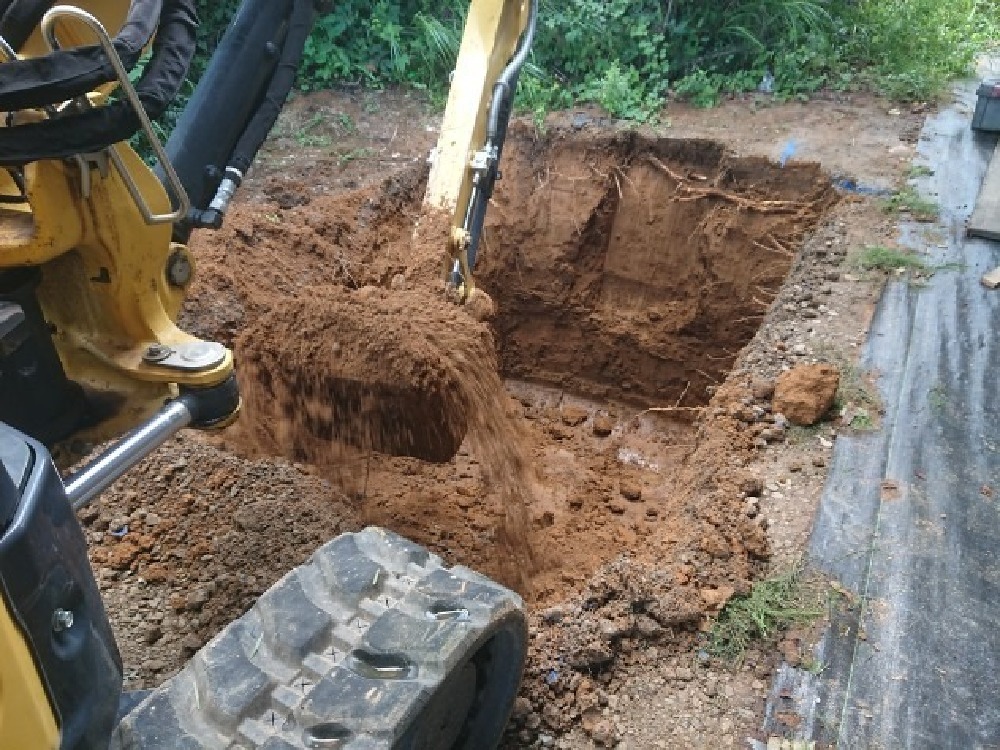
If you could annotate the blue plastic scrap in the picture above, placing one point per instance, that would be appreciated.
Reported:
(850, 185)
(788, 152)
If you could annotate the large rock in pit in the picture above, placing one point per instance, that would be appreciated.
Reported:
(805, 393)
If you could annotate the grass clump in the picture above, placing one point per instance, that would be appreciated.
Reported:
(881, 258)
(774, 604)
(908, 200)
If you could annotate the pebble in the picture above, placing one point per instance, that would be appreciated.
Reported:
(190, 645)
(631, 492)
(603, 426)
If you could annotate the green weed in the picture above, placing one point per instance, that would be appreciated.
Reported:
(937, 397)
(863, 422)
(630, 56)
(855, 387)
(814, 666)
(919, 170)
(908, 200)
(773, 604)
(346, 157)
(881, 258)
(346, 124)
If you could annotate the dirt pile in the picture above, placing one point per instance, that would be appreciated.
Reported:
(343, 374)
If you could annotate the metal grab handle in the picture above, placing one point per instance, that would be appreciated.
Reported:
(48, 32)
(7, 50)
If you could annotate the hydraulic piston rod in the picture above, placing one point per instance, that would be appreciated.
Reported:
(85, 485)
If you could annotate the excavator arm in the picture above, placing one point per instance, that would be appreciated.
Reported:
(94, 269)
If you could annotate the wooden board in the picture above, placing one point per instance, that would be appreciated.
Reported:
(991, 280)
(985, 221)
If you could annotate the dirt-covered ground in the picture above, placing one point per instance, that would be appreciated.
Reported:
(649, 288)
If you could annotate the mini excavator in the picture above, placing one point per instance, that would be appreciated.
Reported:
(372, 643)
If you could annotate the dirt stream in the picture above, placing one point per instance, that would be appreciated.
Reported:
(602, 475)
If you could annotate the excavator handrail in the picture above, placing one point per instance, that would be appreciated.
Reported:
(48, 25)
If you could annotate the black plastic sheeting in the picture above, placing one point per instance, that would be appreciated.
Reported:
(913, 661)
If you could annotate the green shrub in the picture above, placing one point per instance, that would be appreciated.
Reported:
(628, 55)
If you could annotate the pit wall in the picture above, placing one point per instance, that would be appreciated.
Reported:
(637, 269)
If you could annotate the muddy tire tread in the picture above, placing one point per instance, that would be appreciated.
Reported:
(297, 659)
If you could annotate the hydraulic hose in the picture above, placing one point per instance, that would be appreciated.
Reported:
(63, 74)
(501, 106)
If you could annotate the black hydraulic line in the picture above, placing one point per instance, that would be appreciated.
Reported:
(18, 18)
(65, 74)
(300, 26)
(501, 107)
(96, 129)
(236, 105)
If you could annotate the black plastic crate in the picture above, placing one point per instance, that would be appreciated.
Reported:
(987, 116)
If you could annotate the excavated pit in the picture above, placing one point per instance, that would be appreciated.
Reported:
(614, 279)
(627, 273)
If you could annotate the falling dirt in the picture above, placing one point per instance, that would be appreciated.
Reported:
(334, 377)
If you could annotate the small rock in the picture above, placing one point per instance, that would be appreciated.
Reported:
(603, 733)
(152, 634)
(398, 282)
(617, 508)
(806, 393)
(574, 416)
(773, 434)
(752, 486)
(603, 426)
(190, 645)
(552, 615)
(763, 389)
(480, 306)
(197, 599)
(522, 707)
(715, 599)
(647, 626)
(631, 492)
(819, 462)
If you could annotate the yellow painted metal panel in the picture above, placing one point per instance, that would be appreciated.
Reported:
(26, 717)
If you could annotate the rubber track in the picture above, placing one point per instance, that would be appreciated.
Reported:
(291, 664)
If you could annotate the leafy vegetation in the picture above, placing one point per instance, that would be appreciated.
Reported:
(908, 200)
(630, 55)
(881, 258)
(773, 604)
